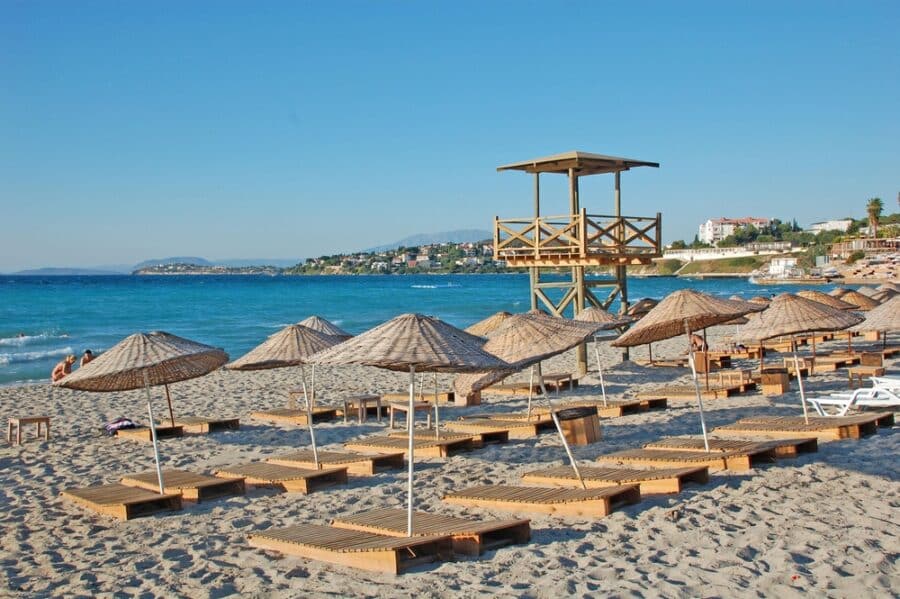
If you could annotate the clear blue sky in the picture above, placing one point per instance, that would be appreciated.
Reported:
(131, 130)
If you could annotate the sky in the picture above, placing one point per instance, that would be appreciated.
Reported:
(134, 130)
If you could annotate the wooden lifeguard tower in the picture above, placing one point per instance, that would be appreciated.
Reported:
(573, 241)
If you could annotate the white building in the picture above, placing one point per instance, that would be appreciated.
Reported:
(841, 224)
(716, 229)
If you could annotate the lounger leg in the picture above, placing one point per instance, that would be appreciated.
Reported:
(391, 418)
(47, 431)
(19, 434)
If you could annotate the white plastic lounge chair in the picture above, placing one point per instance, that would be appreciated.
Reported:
(861, 398)
(891, 383)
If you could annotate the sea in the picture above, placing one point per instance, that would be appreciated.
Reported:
(42, 319)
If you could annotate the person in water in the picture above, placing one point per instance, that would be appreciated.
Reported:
(63, 368)
(87, 357)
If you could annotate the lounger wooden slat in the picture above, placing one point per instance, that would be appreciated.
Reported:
(357, 549)
(203, 426)
(539, 422)
(483, 432)
(720, 460)
(292, 480)
(143, 433)
(192, 486)
(290, 416)
(827, 429)
(356, 463)
(614, 408)
(123, 502)
(512, 389)
(650, 481)
(469, 537)
(443, 397)
(784, 448)
(424, 447)
(688, 393)
(556, 501)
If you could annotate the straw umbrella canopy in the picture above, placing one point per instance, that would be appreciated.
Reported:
(859, 300)
(789, 315)
(867, 291)
(485, 327)
(641, 307)
(828, 300)
(889, 286)
(326, 327)
(883, 295)
(414, 342)
(884, 319)
(607, 321)
(759, 300)
(146, 360)
(838, 291)
(684, 312)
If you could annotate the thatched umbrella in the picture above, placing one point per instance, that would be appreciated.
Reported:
(414, 342)
(607, 322)
(828, 300)
(684, 312)
(326, 327)
(838, 292)
(291, 346)
(146, 360)
(789, 315)
(758, 299)
(484, 328)
(641, 307)
(883, 295)
(859, 300)
(867, 291)
(884, 319)
(889, 287)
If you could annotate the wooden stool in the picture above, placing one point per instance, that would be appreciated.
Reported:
(361, 404)
(419, 406)
(18, 422)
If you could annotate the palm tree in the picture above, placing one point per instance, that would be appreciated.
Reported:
(874, 208)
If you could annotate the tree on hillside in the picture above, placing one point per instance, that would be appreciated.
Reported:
(873, 209)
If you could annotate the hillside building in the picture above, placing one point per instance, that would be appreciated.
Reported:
(716, 229)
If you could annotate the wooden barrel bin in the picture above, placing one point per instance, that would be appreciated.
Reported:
(580, 426)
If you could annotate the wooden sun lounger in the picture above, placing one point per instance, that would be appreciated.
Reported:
(512, 389)
(615, 408)
(784, 448)
(557, 501)
(663, 480)
(123, 502)
(469, 537)
(540, 421)
(559, 381)
(825, 429)
(687, 392)
(482, 431)
(291, 416)
(143, 433)
(367, 551)
(721, 460)
(443, 397)
(292, 480)
(356, 463)
(203, 426)
(424, 447)
(192, 486)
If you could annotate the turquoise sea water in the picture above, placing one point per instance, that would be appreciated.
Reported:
(61, 315)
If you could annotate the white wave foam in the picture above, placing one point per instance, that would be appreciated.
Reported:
(20, 340)
(31, 356)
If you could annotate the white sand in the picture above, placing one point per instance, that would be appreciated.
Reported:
(825, 523)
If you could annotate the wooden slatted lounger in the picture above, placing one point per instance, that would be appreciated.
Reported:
(356, 463)
(443, 397)
(203, 426)
(513, 389)
(663, 480)
(483, 432)
(596, 503)
(424, 447)
(191, 486)
(290, 416)
(827, 429)
(687, 392)
(123, 502)
(719, 460)
(616, 408)
(784, 448)
(540, 422)
(469, 537)
(367, 551)
(142, 433)
(292, 480)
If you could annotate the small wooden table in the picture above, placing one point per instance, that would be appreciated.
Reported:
(861, 372)
(19, 422)
(557, 380)
(419, 406)
(360, 403)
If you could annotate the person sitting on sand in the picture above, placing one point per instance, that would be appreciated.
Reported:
(697, 342)
(87, 357)
(63, 368)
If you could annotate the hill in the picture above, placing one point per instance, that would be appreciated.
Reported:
(458, 236)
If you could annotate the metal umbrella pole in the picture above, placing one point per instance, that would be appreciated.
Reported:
(169, 400)
(530, 390)
(800, 383)
(437, 410)
(600, 370)
(309, 418)
(411, 435)
(159, 474)
(696, 386)
(565, 443)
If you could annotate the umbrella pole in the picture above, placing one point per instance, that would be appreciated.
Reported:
(437, 410)
(312, 398)
(309, 418)
(530, 390)
(169, 399)
(650, 348)
(800, 383)
(706, 359)
(159, 474)
(696, 386)
(566, 445)
(600, 372)
(411, 461)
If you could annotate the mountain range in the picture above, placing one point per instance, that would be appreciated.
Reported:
(458, 236)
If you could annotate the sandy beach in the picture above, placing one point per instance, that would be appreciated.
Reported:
(822, 524)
